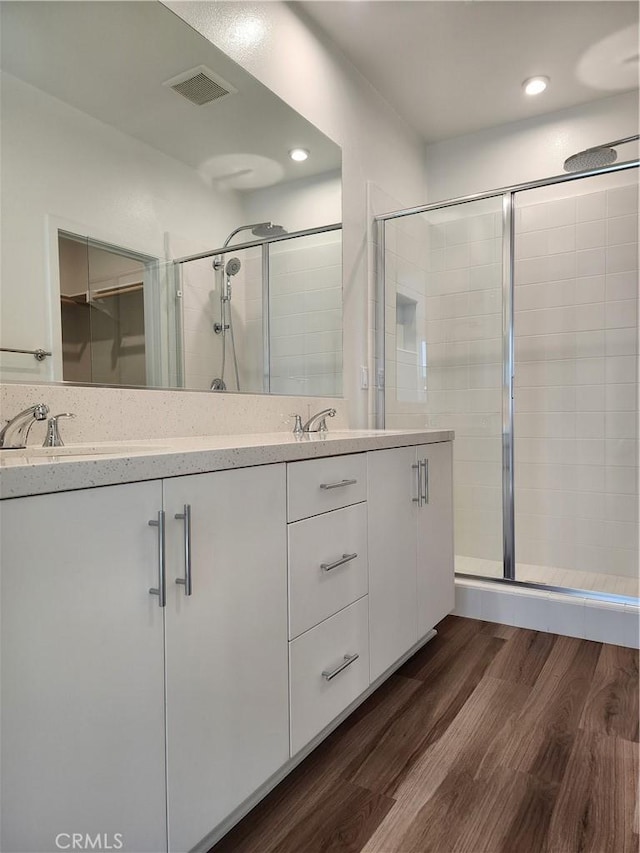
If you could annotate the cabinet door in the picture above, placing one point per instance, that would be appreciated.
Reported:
(226, 645)
(82, 670)
(435, 537)
(392, 556)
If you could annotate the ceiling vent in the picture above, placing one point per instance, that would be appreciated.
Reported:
(200, 86)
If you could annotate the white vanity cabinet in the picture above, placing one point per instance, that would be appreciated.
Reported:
(226, 644)
(172, 647)
(411, 576)
(82, 670)
(85, 645)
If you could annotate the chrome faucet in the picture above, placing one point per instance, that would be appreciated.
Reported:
(15, 432)
(310, 426)
(54, 439)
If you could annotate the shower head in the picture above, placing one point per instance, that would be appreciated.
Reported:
(592, 158)
(233, 266)
(259, 229)
(268, 229)
(596, 157)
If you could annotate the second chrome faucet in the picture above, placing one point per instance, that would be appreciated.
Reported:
(316, 423)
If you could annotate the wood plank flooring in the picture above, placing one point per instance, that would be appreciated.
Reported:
(490, 739)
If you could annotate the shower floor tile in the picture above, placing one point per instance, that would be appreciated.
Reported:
(567, 578)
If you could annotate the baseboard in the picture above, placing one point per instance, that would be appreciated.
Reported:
(571, 615)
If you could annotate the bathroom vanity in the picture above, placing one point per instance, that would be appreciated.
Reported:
(183, 621)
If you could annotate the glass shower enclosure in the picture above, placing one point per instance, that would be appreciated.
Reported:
(512, 318)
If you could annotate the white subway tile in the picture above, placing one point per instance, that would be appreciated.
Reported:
(621, 398)
(621, 481)
(590, 262)
(621, 341)
(590, 398)
(590, 371)
(590, 425)
(590, 235)
(622, 201)
(553, 214)
(531, 245)
(622, 452)
(621, 425)
(591, 206)
(622, 229)
(622, 258)
(590, 289)
(621, 314)
(621, 508)
(622, 285)
(590, 344)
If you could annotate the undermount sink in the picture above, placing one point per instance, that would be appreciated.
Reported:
(79, 450)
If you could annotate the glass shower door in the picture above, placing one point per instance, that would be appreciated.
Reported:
(444, 356)
(576, 392)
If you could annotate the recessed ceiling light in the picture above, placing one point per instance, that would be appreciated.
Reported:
(535, 85)
(298, 154)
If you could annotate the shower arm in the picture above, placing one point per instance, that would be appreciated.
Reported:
(613, 144)
(242, 228)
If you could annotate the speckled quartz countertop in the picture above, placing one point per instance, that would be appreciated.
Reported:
(28, 472)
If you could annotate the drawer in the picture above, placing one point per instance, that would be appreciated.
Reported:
(327, 565)
(316, 698)
(320, 485)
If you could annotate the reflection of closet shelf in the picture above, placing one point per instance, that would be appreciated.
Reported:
(88, 298)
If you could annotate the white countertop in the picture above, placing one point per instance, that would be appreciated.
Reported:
(22, 474)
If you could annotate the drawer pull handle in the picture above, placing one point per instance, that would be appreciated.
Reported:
(348, 660)
(346, 558)
(338, 485)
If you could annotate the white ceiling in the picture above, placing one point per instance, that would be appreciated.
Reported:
(453, 67)
(110, 60)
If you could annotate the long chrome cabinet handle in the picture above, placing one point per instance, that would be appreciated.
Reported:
(346, 558)
(185, 515)
(161, 589)
(424, 464)
(348, 660)
(338, 485)
(418, 469)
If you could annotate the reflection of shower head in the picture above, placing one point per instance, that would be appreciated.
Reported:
(259, 229)
(268, 229)
(595, 158)
(233, 266)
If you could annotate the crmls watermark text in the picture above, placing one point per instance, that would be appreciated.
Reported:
(85, 841)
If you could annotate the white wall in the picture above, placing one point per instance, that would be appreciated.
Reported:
(298, 64)
(296, 205)
(59, 162)
(527, 150)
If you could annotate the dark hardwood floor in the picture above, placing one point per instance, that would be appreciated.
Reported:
(490, 739)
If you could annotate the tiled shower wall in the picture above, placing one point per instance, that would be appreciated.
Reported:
(576, 341)
(576, 421)
(306, 315)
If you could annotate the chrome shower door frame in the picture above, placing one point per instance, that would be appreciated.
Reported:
(508, 195)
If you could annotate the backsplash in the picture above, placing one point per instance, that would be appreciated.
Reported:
(121, 414)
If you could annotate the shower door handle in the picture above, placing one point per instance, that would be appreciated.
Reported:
(185, 515)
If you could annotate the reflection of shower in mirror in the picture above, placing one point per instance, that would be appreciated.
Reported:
(232, 267)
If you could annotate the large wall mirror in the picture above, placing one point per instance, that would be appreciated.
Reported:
(156, 231)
